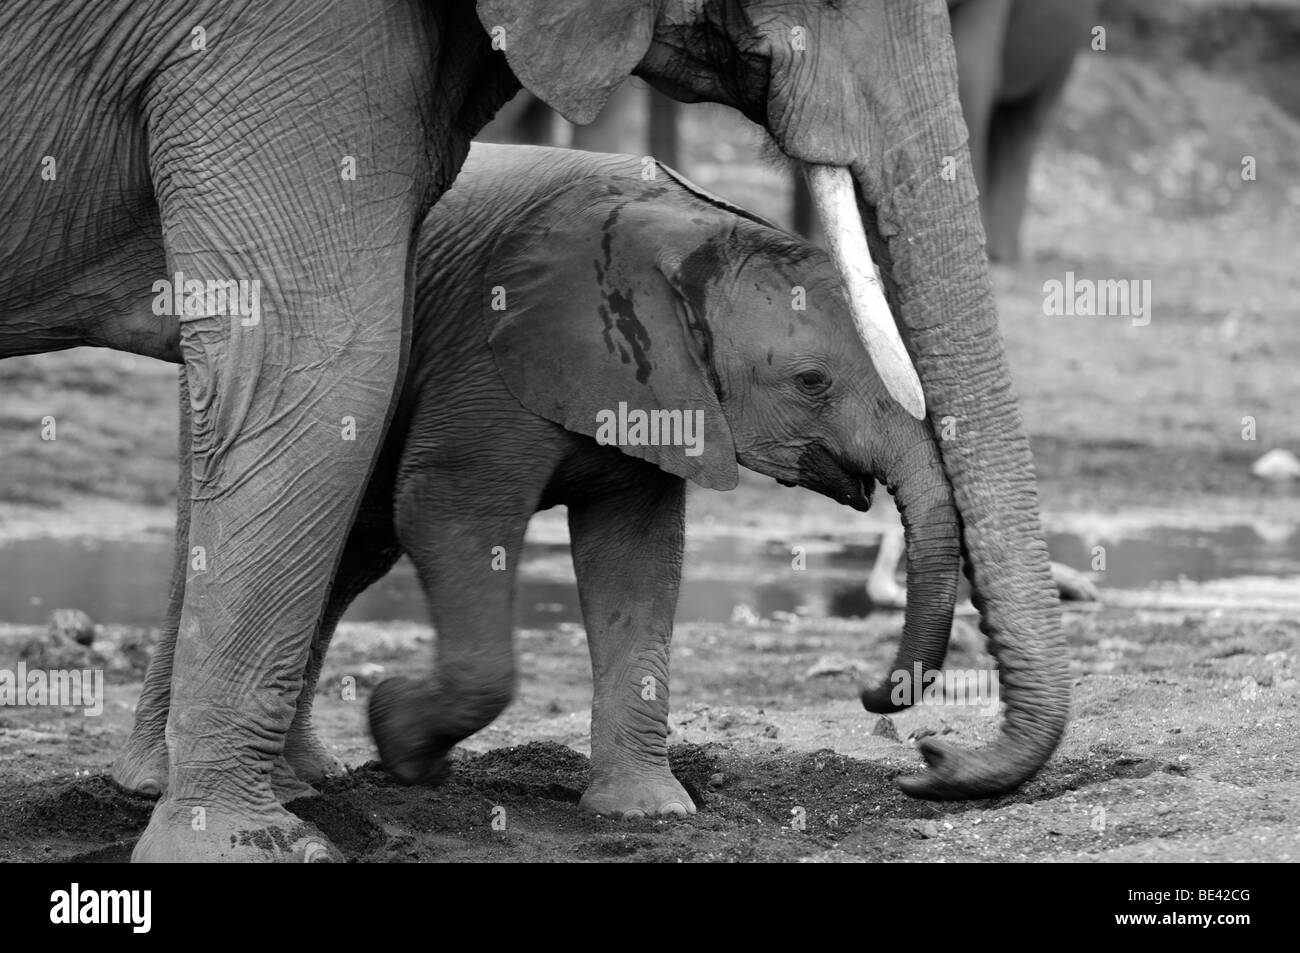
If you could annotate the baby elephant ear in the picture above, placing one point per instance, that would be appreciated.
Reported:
(589, 333)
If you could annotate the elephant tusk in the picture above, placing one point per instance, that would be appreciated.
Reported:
(832, 193)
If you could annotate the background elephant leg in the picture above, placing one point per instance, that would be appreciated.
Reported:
(370, 553)
(627, 553)
(803, 218)
(466, 556)
(537, 122)
(1014, 135)
(979, 35)
(141, 767)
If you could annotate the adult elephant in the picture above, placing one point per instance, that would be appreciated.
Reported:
(299, 144)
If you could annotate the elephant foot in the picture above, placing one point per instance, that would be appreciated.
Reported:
(141, 768)
(179, 833)
(308, 757)
(145, 773)
(400, 722)
(286, 784)
(635, 795)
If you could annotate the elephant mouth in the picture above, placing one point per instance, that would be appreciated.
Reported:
(821, 471)
(861, 500)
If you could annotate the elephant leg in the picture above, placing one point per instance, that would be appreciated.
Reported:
(291, 395)
(269, 513)
(803, 218)
(141, 767)
(465, 533)
(663, 138)
(882, 582)
(979, 35)
(370, 553)
(1014, 134)
(537, 123)
(627, 553)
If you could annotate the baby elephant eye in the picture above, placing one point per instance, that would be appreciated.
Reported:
(813, 382)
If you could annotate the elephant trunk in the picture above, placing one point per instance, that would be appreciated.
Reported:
(933, 538)
(918, 201)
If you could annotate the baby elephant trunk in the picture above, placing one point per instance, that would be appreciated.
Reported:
(933, 538)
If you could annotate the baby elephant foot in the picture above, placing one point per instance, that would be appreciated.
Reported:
(402, 723)
(634, 794)
(182, 833)
(141, 768)
(308, 757)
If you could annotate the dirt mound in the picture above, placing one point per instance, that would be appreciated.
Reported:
(55, 821)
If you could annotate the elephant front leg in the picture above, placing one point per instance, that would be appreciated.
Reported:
(141, 767)
(627, 553)
(284, 429)
(294, 330)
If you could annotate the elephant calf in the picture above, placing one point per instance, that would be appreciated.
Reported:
(594, 338)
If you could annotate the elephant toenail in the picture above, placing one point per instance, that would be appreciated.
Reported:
(316, 853)
(635, 814)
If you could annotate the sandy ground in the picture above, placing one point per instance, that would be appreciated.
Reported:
(1182, 747)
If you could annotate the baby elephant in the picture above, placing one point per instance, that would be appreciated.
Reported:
(597, 332)
(594, 338)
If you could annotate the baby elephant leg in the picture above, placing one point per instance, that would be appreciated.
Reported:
(627, 553)
(370, 552)
(466, 561)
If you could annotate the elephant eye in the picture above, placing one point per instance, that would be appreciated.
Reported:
(812, 382)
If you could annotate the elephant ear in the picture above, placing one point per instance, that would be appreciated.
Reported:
(717, 201)
(589, 329)
(572, 55)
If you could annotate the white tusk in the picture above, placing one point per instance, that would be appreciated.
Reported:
(832, 193)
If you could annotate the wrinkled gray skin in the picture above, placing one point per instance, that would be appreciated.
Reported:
(1013, 60)
(647, 293)
(227, 162)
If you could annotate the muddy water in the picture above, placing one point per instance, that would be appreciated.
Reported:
(125, 581)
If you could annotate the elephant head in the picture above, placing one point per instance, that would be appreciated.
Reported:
(863, 93)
